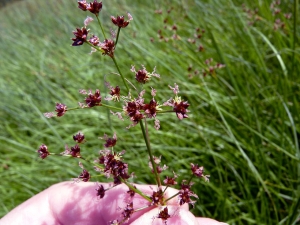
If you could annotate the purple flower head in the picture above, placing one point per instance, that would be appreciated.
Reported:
(115, 93)
(43, 151)
(93, 99)
(180, 108)
(94, 7)
(82, 5)
(75, 151)
(80, 36)
(79, 137)
(94, 40)
(119, 21)
(61, 109)
(113, 165)
(84, 176)
(110, 142)
(100, 191)
(128, 211)
(185, 194)
(142, 76)
(157, 198)
(108, 47)
(151, 108)
(131, 192)
(164, 215)
(170, 181)
(197, 171)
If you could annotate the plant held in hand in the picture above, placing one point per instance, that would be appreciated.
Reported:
(137, 110)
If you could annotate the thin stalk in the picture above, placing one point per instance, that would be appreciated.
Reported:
(146, 138)
(124, 81)
(172, 197)
(104, 105)
(80, 157)
(99, 22)
(119, 29)
(95, 47)
(111, 107)
(131, 187)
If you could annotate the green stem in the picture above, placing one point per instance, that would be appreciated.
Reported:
(111, 107)
(99, 22)
(119, 29)
(124, 81)
(171, 197)
(131, 187)
(146, 138)
(95, 47)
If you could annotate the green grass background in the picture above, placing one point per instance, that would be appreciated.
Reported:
(243, 124)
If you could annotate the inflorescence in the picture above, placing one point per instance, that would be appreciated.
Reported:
(137, 110)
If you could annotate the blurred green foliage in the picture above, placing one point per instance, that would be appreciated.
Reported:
(243, 124)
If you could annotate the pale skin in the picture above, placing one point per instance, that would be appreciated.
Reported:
(72, 203)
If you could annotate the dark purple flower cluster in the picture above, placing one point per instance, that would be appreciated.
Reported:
(120, 21)
(43, 151)
(164, 215)
(110, 163)
(157, 198)
(61, 109)
(93, 99)
(185, 194)
(108, 47)
(80, 36)
(113, 166)
(128, 211)
(94, 7)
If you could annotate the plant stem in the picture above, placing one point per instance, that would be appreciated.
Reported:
(95, 47)
(146, 138)
(111, 107)
(119, 29)
(171, 197)
(99, 22)
(131, 187)
(124, 81)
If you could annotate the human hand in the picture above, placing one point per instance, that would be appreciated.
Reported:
(76, 204)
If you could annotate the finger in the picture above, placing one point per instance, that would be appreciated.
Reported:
(81, 204)
(178, 216)
(208, 221)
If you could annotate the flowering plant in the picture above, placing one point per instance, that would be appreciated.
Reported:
(135, 108)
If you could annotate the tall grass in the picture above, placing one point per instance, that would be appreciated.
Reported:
(244, 121)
